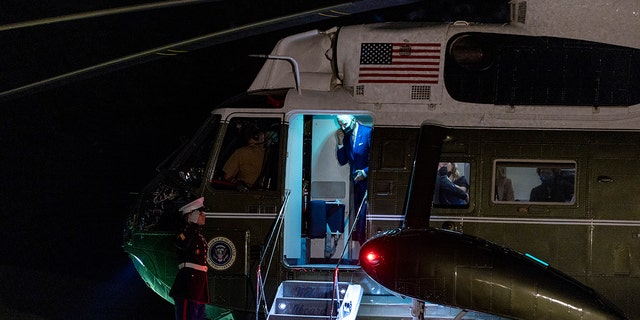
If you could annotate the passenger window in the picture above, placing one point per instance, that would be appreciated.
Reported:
(249, 155)
(452, 185)
(534, 181)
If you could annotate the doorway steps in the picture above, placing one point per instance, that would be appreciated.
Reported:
(312, 300)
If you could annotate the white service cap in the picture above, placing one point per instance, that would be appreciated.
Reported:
(193, 205)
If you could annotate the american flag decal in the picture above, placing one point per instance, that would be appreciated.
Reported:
(399, 63)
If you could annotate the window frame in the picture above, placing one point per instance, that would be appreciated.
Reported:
(226, 139)
(470, 180)
(535, 163)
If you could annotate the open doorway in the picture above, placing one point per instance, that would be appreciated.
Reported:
(324, 203)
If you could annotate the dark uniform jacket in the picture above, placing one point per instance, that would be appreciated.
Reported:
(446, 192)
(356, 154)
(191, 284)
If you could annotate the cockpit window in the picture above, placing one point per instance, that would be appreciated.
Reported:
(550, 182)
(190, 164)
(249, 155)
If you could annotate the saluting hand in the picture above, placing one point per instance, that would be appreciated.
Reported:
(340, 137)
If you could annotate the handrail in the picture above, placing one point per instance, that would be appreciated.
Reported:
(336, 294)
(260, 296)
(292, 62)
(275, 230)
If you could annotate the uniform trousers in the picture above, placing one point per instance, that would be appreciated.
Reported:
(189, 310)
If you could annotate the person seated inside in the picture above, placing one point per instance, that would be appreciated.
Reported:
(245, 164)
(446, 191)
(454, 175)
(552, 188)
(504, 186)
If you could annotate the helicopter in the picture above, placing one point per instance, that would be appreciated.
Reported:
(506, 99)
(511, 99)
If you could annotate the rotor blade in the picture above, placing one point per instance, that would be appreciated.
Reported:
(219, 37)
(100, 13)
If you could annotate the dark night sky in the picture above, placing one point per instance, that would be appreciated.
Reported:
(71, 156)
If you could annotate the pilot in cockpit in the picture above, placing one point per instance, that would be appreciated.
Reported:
(245, 164)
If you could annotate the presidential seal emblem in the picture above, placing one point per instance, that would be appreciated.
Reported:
(222, 253)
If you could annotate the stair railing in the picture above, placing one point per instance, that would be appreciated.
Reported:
(335, 297)
(271, 243)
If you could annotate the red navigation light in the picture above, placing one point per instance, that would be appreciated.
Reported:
(373, 258)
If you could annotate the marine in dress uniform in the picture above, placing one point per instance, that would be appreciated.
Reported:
(190, 289)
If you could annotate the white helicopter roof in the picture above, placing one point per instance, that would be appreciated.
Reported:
(347, 68)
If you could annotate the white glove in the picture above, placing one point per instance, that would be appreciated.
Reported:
(193, 216)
